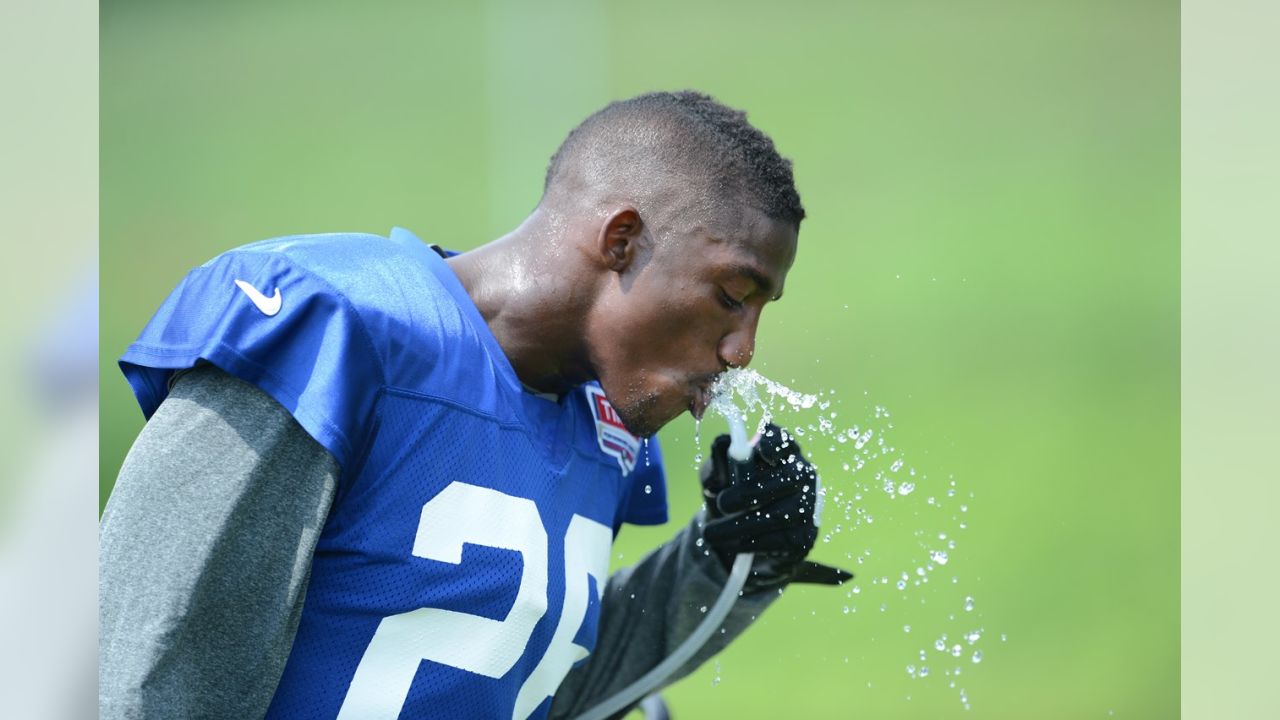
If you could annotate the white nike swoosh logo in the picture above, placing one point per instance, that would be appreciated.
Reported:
(268, 305)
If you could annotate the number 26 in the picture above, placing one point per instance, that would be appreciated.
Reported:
(462, 514)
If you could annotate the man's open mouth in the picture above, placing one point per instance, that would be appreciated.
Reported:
(701, 399)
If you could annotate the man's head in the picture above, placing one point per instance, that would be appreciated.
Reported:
(687, 217)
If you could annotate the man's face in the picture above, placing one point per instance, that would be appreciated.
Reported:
(684, 311)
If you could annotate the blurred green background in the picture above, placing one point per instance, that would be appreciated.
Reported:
(991, 253)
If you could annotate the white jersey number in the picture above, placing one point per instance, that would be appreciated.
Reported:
(463, 514)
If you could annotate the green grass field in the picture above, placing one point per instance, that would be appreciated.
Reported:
(992, 254)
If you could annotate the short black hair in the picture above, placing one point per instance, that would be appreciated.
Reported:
(705, 136)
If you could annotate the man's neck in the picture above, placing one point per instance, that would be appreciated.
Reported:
(527, 288)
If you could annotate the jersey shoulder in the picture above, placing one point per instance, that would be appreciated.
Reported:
(423, 327)
(322, 323)
(391, 283)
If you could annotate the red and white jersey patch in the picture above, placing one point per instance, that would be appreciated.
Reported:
(611, 433)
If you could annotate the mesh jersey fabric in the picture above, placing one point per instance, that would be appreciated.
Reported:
(459, 572)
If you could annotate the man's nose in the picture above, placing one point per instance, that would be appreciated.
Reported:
(739, 345)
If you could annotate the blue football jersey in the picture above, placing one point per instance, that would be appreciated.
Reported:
(460, 571)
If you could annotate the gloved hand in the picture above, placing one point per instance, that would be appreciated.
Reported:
(770, 511)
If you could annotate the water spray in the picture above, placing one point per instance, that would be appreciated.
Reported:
(740, 449)
(741, 395)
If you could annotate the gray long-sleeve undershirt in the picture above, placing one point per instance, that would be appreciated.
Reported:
(206, 548)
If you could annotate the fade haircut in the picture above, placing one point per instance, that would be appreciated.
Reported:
(675, 149)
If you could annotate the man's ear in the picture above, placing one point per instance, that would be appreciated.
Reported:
(619, 237)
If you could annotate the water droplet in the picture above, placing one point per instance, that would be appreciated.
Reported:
(968, 604)
(956, 650)
(698, 542)
(939, 557)
(973, 637)
(846, 609)
(906, 488)
(648, 489)
(863, 439)
(977, 656)
(702, 609)
(906, 628)
(924, 671)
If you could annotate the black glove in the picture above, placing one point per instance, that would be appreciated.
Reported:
(769, 511)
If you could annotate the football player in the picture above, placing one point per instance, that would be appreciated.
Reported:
(381, 480)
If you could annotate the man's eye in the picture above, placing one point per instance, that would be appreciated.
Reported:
(729, 300)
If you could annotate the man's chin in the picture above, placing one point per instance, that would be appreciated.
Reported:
(645, 418)
(641, 426)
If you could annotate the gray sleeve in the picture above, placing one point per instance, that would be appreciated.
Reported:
(648, 610)
(205, 552)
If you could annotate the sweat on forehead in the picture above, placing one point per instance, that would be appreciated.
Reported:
(671, 150)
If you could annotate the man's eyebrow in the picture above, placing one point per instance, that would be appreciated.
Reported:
(762, 281)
